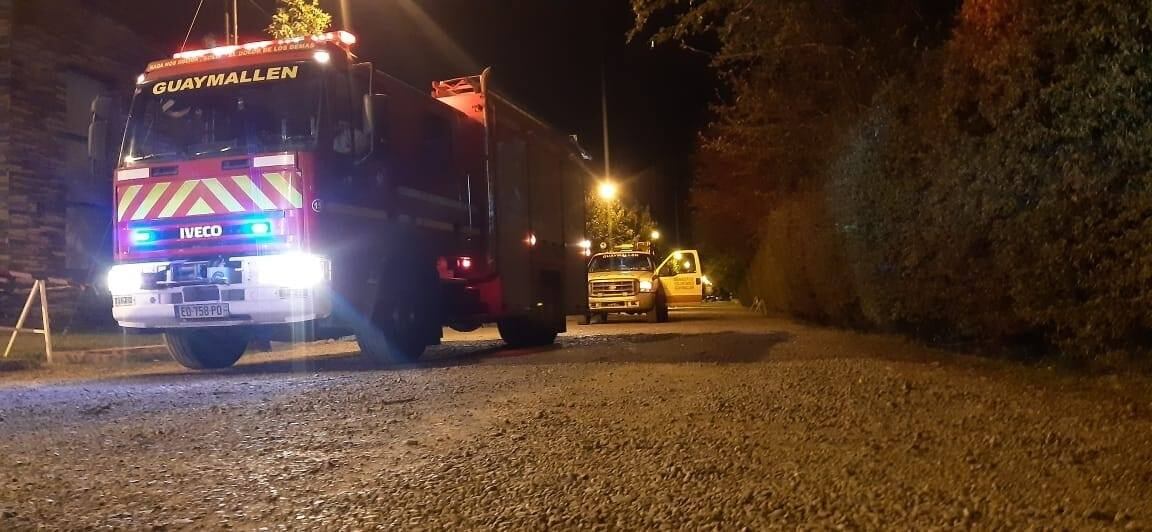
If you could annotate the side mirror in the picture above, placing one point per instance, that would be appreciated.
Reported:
(369, 117)
(361, 78)
(366, 147)
(379, 107)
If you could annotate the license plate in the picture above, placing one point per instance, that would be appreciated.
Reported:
(199, 312)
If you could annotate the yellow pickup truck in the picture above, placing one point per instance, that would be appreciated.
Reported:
(630, 282)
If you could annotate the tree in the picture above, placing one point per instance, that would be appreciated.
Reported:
(298, 18)
(796, 75)
(627, 223)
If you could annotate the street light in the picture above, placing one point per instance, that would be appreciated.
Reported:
(586, 247)
(607, 190)
(655, 235)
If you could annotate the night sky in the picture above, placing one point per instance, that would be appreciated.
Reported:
(545, 54)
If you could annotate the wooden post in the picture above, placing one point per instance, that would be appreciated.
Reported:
(38, 289)
(23, 317)
(47, 324)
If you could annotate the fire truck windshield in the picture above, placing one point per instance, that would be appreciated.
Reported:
(631, 262)
(255, 110)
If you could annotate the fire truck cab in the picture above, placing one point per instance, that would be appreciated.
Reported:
(283, 190)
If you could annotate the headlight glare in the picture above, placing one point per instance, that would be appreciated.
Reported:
(125, 279)
(291, 271)
(645, 286)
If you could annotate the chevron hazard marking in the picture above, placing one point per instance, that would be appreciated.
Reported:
(223, 195)
(253, 192)
(212, 195)
(200, 207)
(285, 189)
(178, 199)
(126, 200)
(150, 201)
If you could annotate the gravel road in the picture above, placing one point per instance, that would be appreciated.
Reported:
(717, 420)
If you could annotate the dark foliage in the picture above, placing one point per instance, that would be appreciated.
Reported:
(978, 175)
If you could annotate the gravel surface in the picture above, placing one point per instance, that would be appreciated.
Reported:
(718, 420)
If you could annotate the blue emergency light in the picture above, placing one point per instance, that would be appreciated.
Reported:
(142, 237)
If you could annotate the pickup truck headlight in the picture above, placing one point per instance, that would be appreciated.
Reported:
(645, 286)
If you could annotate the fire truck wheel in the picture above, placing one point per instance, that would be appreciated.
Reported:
(206, 348)
(526, 332)
(404, 320)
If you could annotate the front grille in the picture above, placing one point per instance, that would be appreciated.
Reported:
(613, 288)
(234, 294)
(201, 293)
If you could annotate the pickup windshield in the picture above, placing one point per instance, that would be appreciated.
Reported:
(259, 109)
(637, 262)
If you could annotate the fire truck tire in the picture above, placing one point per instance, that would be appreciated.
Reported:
(206, 348)
(526, 332)
(405, 318)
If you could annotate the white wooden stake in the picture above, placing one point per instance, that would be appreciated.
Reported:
(47, 323)
(39, 288)
(23, 317)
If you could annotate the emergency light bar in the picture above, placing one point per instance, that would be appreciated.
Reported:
(340, 38)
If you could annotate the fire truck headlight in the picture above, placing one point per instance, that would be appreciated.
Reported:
(322, 56)
(291, 271)
(125, 279)
(645, 285)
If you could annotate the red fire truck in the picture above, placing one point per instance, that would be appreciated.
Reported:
(281, 190)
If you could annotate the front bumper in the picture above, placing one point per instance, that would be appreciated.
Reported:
(262, 305)
(262, 290)
(642, 302)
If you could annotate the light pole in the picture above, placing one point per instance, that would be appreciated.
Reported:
(608, 191)
(345, 16)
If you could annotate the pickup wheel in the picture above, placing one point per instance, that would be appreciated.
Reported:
(405, 317)
(659, 311)
(206, 348)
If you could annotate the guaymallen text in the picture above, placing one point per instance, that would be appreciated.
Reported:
(227, 78)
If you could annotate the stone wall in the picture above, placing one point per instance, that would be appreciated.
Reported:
(48, 41)
(6, 15)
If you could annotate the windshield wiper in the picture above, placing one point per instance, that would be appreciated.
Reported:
(213, 151)
(131, 159)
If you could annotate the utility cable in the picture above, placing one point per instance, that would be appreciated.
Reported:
(192, 25)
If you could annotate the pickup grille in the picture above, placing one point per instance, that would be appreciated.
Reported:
(613, 288)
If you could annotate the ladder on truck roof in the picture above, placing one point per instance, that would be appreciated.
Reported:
(456, 86)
